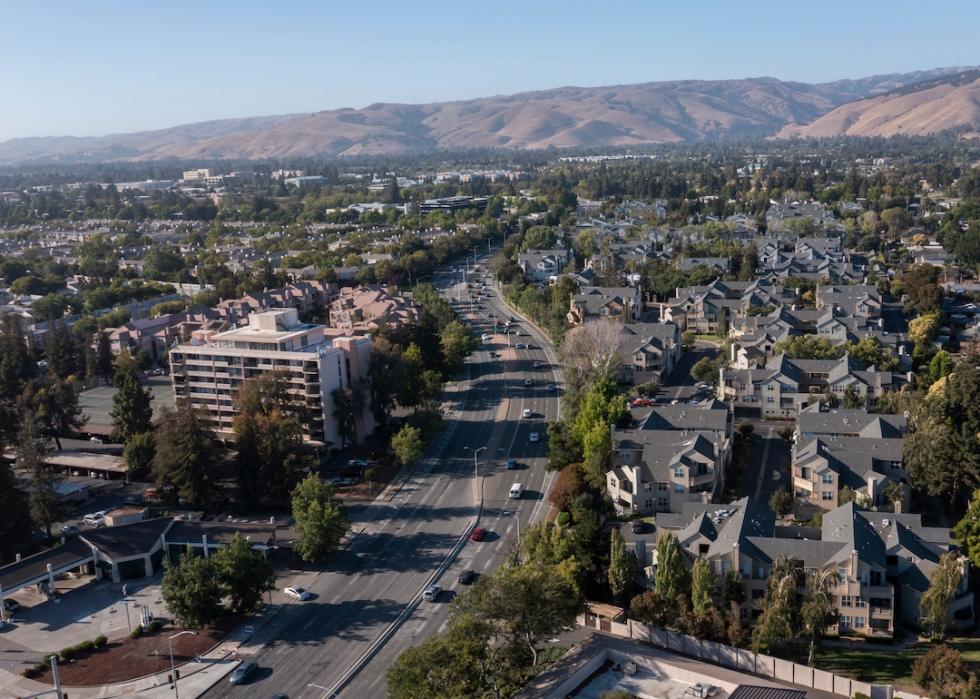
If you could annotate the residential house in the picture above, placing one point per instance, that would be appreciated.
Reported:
(544, 265)
(650, 352)
(625, 303)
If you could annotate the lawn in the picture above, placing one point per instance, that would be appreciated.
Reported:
(884, 664)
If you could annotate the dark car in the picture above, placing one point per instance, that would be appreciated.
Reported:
(511, 464)
(637, 526)
(70, 530)
(466, 577)
(241, 673)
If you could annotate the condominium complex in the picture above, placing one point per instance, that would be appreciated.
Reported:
(208, 371)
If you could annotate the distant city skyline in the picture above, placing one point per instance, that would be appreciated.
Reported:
(90, 69)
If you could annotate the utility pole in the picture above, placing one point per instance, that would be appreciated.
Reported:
(476, 471)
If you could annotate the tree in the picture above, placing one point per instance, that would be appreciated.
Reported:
(942, 673)
(131, 410)
(55, 405)
(243, 574)
(60, 351)
(732, 588)
(138, 454)
(388, 376)
(921, 284)
(819, 610)
(523, 604)
(870, 352)
(967, 530)
(407, 444)
(671, 577)
(779, 620)
(45, 505)
(706, 370)
(185, 456)
(702, 588)
(568, 484)
(320, 519)
(934, 603)
(103, 356)
(14, 512)
(191, 590)
(940, 366)
(457, 342)
(923, 329)
(622, 564)
(268, 440)
(781, 502)
(808, 347)
(592, 350)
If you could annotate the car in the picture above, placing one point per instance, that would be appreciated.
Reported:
(466, 577)
(11, 605)
(300, 593)
(528, 382)
(535, 437)
(513, 319)
(494, 355)
(95, 518)
(637, 526)
(132, 500)
(95, 440)
(537, 364)
(695, 401)
(432, 592)
(641, 402)
(362, 463)
(484, 337)
(520, 345)
(511, 464)
(478, 534)
(703, 384)
(42, 363)
(70, 530)
(526, 412)
(241, 673)
(552, 387)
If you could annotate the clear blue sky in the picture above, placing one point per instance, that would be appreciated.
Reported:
(105, 66)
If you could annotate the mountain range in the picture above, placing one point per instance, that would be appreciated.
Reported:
(919, 102)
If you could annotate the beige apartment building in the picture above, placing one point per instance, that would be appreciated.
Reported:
(208, 371)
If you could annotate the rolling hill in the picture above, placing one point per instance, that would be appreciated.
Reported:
(566, 117)
(920, 109)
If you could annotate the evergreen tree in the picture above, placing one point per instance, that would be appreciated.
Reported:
(60, 351)
(138, 454)
(819, 610)
(779, 620)
(186, 454)
(622, 564)
(131, 410)
(702, 588)
(14, 512)
(55, 405)
(320, 519)
(672, 576)
(44, 502)
(103, 356)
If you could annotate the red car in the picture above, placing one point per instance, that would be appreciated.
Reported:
(641, 403)
(478, 534)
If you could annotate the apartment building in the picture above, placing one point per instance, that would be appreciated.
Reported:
(882, 560)
(625, 303)
(363, 309)
(207, 372)
(701, 309)
(650, 352)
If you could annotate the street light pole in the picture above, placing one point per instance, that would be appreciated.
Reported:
(319, 686)
(476, 471)
(173, 668)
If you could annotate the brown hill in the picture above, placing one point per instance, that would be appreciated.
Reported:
(566, 117)
(918, 110)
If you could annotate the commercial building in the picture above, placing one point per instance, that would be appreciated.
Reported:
(206, 375)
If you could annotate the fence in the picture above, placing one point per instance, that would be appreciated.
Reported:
(742, 660)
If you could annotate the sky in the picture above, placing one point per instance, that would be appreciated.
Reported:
(93, 67)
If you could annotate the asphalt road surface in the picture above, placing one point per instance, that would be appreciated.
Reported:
(370, 592)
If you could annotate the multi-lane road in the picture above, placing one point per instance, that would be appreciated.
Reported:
(367, 605)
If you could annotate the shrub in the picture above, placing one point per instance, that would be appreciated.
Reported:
(563, 519)
(137, 632)
(745, 429)
(100, 641)
(786, 432)
(156, 625)
(85, 646)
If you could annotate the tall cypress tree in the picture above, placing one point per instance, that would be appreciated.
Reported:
(60, 351)
(131, 409)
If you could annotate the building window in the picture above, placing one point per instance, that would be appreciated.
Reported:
(845, 621)
(842, 575)
(860, 603)
(678, 489)
(679, 472)
(859, 622)
(845, 600)
(827, 479)
(827, 495)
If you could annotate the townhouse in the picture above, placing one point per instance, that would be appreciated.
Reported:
(625, 303)
(882, 560)
(360, 310)
(702, 309)
(544, 265)
(673, 454)
(650, 352)
(784, 386)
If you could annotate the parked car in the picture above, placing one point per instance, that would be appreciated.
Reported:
(520, 345)
(362, 463)
(70, 530)
(11, 605)
(528, 382)
(241, 673)
(95, 440)
(300, 593)
(466, 577)
(132, 500)
(537, 364)
(478, 534)
(641, 402)
(526, 412)
(95, 519)
(637, 526)
(535, 437)
(432, 593)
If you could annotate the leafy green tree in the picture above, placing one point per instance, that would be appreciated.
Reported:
(60, 351)
(921, 284)
(622, 564)
(782, 502)
(808, 347)
(388, 376)
(672, 575)
(940, 366)
(523, 604)
(138, 454)
(55, 405)
(191, 590)
(732, 588)
(703, 582)
(407, 444)
(562, 447)
(934, 604)
(567, 486)
(131, 410)
(779, 620)
(457, 343)
(967, 530)
(942, 673)
(819, 610)
(244, 574)
(870, 352)
(923, 329)
(320, 519)
(706, 370)
(186, 454)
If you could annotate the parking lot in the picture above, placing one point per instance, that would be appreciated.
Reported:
(96, 403)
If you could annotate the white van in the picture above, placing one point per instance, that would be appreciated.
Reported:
(516, 491)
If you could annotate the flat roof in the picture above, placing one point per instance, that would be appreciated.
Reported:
(190, 532)
(87, 461)
(15, 575)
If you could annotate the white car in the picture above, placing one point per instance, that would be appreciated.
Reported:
(535, 437)
(484, 337)
(528, 382)
(526, 412)
(537, 364)
(432, 593)
(299, 593)
(95, 518)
